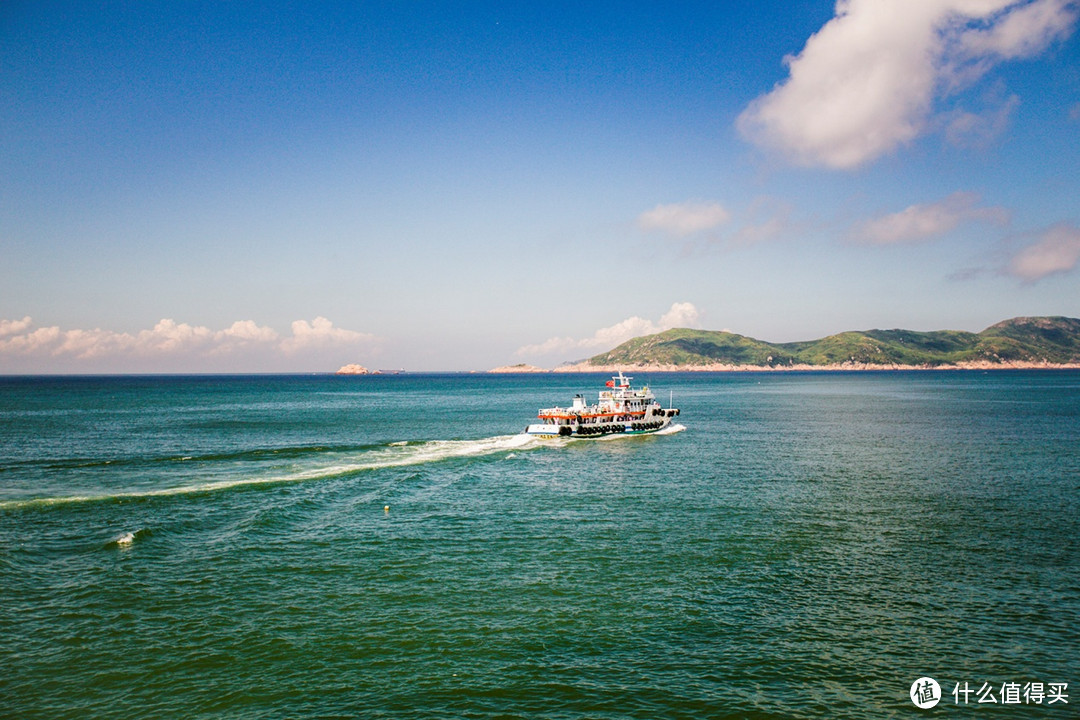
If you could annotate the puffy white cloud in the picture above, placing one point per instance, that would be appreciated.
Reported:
(14, 327)
(247, 330)
(681, 314)
(917, 223)
(866, 82)
(321, 333)
(241, 335)
(1056, 251)
(39, 340)
(620, 332)
(169, 336)
(87, 344)
(682, 219)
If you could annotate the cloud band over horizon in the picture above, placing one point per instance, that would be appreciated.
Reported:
(169, 339)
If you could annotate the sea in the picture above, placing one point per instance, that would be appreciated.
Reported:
(799, 545)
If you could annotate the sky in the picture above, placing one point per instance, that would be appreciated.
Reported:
(293, 186)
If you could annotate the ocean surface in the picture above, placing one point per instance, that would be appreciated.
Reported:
(804, 545)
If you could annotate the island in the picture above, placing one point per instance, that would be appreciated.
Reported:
(1018, 343)
(519, 368)
(354, 369)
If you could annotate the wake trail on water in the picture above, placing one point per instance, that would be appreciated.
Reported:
(391, 455)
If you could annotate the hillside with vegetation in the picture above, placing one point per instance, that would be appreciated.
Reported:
(1023, 341)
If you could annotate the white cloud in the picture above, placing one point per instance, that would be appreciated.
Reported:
(1057, 251)
(241, 335)
(170, 339)
(1023, 30)
(866, 82)
(682, 219)
(248, 331)
(169, 336)
(88, 344)
(14, 327)
(763, 220)
(321, 333)
(39, 340)
(917, 223)
(682, 314)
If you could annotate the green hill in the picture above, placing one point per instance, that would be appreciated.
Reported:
(682, 346)
(1054, 340)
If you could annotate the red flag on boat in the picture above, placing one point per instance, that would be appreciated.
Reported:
(610, 383)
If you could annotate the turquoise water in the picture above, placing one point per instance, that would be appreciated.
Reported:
(390, 547)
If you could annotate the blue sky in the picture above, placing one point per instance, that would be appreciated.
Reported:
(207, 187)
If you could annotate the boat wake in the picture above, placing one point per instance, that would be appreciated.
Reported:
(671, 429)
(338, 463)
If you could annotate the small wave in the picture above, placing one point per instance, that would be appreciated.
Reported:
(387, 456)
(671, 429)
(125, 540)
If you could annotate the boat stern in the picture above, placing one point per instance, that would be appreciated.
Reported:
(547, 430)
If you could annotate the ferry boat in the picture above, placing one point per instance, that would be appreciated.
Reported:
(620, 409)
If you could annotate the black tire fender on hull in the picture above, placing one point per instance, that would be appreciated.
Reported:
(600, 430)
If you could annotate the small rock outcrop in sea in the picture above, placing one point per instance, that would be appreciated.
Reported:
(354, 369)
(519, 368)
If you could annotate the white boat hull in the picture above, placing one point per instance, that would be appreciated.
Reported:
(644, 426)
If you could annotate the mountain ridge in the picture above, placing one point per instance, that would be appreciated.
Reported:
(1021, 342)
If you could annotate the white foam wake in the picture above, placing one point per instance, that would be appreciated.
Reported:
(393, 455)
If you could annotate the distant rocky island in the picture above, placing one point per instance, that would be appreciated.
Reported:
(519, 368)
(354, 369)
(1023, 342)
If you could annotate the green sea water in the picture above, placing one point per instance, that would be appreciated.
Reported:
(806, 546)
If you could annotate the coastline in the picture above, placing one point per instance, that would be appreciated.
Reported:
(801, 367)
(1020, 343)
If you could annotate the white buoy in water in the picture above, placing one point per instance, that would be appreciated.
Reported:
(386, 508)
